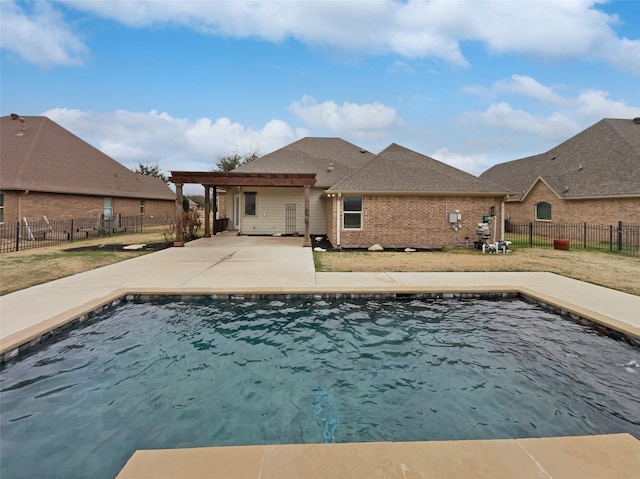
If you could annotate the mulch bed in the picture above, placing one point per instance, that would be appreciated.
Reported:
(120, 247)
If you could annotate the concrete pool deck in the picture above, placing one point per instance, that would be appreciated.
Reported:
(228, 264)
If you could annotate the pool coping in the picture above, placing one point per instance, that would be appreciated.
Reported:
(569, 457)
(20, 342)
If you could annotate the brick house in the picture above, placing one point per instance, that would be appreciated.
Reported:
(45, 170)
(593, 177)
(398, 198)
(405, 199)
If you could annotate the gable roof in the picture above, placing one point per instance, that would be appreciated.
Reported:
(601, 161)
(331, 159)
(397, 169)
(40, 155)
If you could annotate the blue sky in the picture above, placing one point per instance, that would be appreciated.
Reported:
(180, 83)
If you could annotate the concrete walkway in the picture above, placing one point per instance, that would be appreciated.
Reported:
(227, 264)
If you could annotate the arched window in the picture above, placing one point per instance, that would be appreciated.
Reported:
(543, 211)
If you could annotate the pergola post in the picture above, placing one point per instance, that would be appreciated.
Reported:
(207, 211)
(215, 208)
(179, 242)
(307, 196)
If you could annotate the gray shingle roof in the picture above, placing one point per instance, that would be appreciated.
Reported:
(399, 170)
(601, 161)
(312, 155)
(49, 158)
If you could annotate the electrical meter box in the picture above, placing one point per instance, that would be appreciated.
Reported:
(454, 217)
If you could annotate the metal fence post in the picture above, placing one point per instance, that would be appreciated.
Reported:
(71, 232)
(619, 235)
(18, 236)
(530, 235)
(585, 236)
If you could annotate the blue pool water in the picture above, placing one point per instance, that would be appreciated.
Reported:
(236, 372)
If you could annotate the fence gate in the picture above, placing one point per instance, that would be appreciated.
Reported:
(290, 219)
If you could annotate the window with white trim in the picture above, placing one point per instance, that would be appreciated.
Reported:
(543, 211)
(352, 212)
(141, 207)
(107, 211)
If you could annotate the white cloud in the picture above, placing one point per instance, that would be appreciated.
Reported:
(474, 164)
(560, 116)
(410, 29)
(527, 86)
(597, 104)
(555, 126)
(40, 36)
(360, 121)
(172, 143)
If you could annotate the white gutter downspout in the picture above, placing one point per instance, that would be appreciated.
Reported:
(240, 210)
(338, 218)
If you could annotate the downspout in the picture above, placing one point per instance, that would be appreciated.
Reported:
(307, 196)
(26, 192)
(239, 210)
(338, 200)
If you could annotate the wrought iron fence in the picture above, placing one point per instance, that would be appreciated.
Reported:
(29, 235)
(622, 238)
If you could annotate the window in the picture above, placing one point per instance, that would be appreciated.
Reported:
(107, 212)
(352, 215)
(543, 211)
(250, 204)
(141, 207)
(1, 208)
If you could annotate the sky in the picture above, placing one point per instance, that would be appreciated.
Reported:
(181, 83)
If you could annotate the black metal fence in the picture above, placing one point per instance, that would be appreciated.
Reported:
(622, 238)
(29, 235)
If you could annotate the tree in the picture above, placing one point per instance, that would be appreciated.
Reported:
(231, 162)
(151, 170)
(198, 199)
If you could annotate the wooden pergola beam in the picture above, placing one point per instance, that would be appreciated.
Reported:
(226, 178)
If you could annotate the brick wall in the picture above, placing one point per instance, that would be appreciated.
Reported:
(600, 211)
(415, 221)
(54, 206)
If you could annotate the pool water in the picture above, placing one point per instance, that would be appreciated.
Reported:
(236, 372)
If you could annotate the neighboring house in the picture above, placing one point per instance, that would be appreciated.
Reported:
(398, 198)
(593, 177)
(45, 170)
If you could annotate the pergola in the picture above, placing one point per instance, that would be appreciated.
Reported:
(213, 179)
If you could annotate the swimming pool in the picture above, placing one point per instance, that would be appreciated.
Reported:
(233, 372)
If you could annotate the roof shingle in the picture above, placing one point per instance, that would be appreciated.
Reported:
(399, 170)
(331, 159)
(601, 161)
(49, 158)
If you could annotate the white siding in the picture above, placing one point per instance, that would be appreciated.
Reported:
(270, 215)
